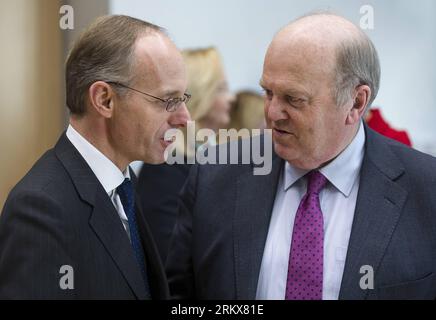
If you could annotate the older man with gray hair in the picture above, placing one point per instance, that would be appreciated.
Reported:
(345, 212)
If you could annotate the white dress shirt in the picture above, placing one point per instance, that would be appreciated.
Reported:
(104, 169)
(338, 202)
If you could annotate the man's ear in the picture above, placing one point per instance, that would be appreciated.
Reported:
(101, 98)
(362, 95)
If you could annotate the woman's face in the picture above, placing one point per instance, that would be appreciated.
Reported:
(219, 114)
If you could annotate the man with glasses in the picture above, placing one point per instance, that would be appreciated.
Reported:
(71, 228)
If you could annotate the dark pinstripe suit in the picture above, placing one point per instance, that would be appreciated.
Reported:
(59, 214)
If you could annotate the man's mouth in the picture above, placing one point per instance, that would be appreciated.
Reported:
(167, 141)
(281, 132)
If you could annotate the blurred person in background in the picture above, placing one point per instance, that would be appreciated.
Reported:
(209, 106)
(247, 111)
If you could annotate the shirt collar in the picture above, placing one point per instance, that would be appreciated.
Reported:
(342, 172)
(104, 169)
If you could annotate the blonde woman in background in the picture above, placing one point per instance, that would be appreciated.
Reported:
(211, 100)
(209, 106)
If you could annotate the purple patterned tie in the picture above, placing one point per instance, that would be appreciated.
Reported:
(306, 255)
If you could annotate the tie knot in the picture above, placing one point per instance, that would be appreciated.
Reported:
(316, 182)
(125, 191)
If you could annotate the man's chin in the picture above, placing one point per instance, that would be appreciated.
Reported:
(154, 158)
(283, 151)
(157, 160)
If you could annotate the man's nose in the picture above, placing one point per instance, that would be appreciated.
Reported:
(180, 117)
(276, 110)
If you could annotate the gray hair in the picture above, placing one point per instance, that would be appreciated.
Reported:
(357, 63)
(104, 52)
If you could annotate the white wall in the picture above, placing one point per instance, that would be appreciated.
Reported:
(404, 34)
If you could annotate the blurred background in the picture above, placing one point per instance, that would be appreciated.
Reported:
(34, 48)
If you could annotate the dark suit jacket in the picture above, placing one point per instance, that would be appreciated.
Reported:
(225, 212)
(158, 189)
(59, 214)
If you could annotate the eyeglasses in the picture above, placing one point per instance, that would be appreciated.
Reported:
(172, 104)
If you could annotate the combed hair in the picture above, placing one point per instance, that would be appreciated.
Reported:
(357, 64)
(103, 52)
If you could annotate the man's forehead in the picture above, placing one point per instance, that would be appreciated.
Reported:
(155, 48)
(294, 73)
(164, 84)
(300, 46)
(159, 63)
(299, 67)
(300, 58)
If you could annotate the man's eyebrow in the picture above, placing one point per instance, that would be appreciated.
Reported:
(288, 91)
(172, 94)
(297, 92)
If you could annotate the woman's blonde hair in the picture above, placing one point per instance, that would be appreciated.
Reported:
(205, 74)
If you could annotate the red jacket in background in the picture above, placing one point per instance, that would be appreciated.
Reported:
(377, 123)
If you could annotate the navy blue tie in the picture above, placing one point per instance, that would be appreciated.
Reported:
(125, 191)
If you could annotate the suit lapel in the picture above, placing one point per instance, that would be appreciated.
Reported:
(254, 202)
(104, 220)
(107, 225)
(378, 208)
